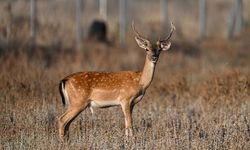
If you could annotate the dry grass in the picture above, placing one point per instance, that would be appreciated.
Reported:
(195, 101)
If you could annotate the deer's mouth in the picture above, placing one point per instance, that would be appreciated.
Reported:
(154, 59)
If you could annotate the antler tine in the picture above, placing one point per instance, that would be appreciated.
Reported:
(171, 32)
(136, 32)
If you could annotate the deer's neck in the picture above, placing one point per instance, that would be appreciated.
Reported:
(147, 73)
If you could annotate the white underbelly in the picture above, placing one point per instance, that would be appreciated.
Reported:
(104, 103)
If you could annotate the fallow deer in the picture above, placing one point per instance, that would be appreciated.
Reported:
(105, 89)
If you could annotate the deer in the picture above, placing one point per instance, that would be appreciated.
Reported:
(106, 89)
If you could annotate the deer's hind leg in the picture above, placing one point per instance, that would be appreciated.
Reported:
(65, 120)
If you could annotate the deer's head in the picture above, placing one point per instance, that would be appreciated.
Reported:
(153, 50)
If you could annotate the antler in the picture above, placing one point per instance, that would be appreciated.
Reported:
(135, 31)
(170, 34)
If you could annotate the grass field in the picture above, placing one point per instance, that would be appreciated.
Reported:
(197, 100)
(199, 97)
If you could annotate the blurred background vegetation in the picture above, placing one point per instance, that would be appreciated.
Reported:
(200, 95)
(68, 22)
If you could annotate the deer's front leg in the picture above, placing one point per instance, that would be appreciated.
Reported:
(127, 111)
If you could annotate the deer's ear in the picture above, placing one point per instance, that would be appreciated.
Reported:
(165, 45)
(143, 43)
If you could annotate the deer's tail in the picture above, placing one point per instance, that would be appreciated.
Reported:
(63, 92)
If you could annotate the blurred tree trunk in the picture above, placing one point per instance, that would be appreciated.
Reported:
(9, 23)
(202, 18)
(122, 20)
(78, 23)
(231, 20)
(236, 22)
(103, 9)
(33, 24)
(164, 15)
(239, 16)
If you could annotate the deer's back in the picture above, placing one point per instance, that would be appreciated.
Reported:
(104, 80)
